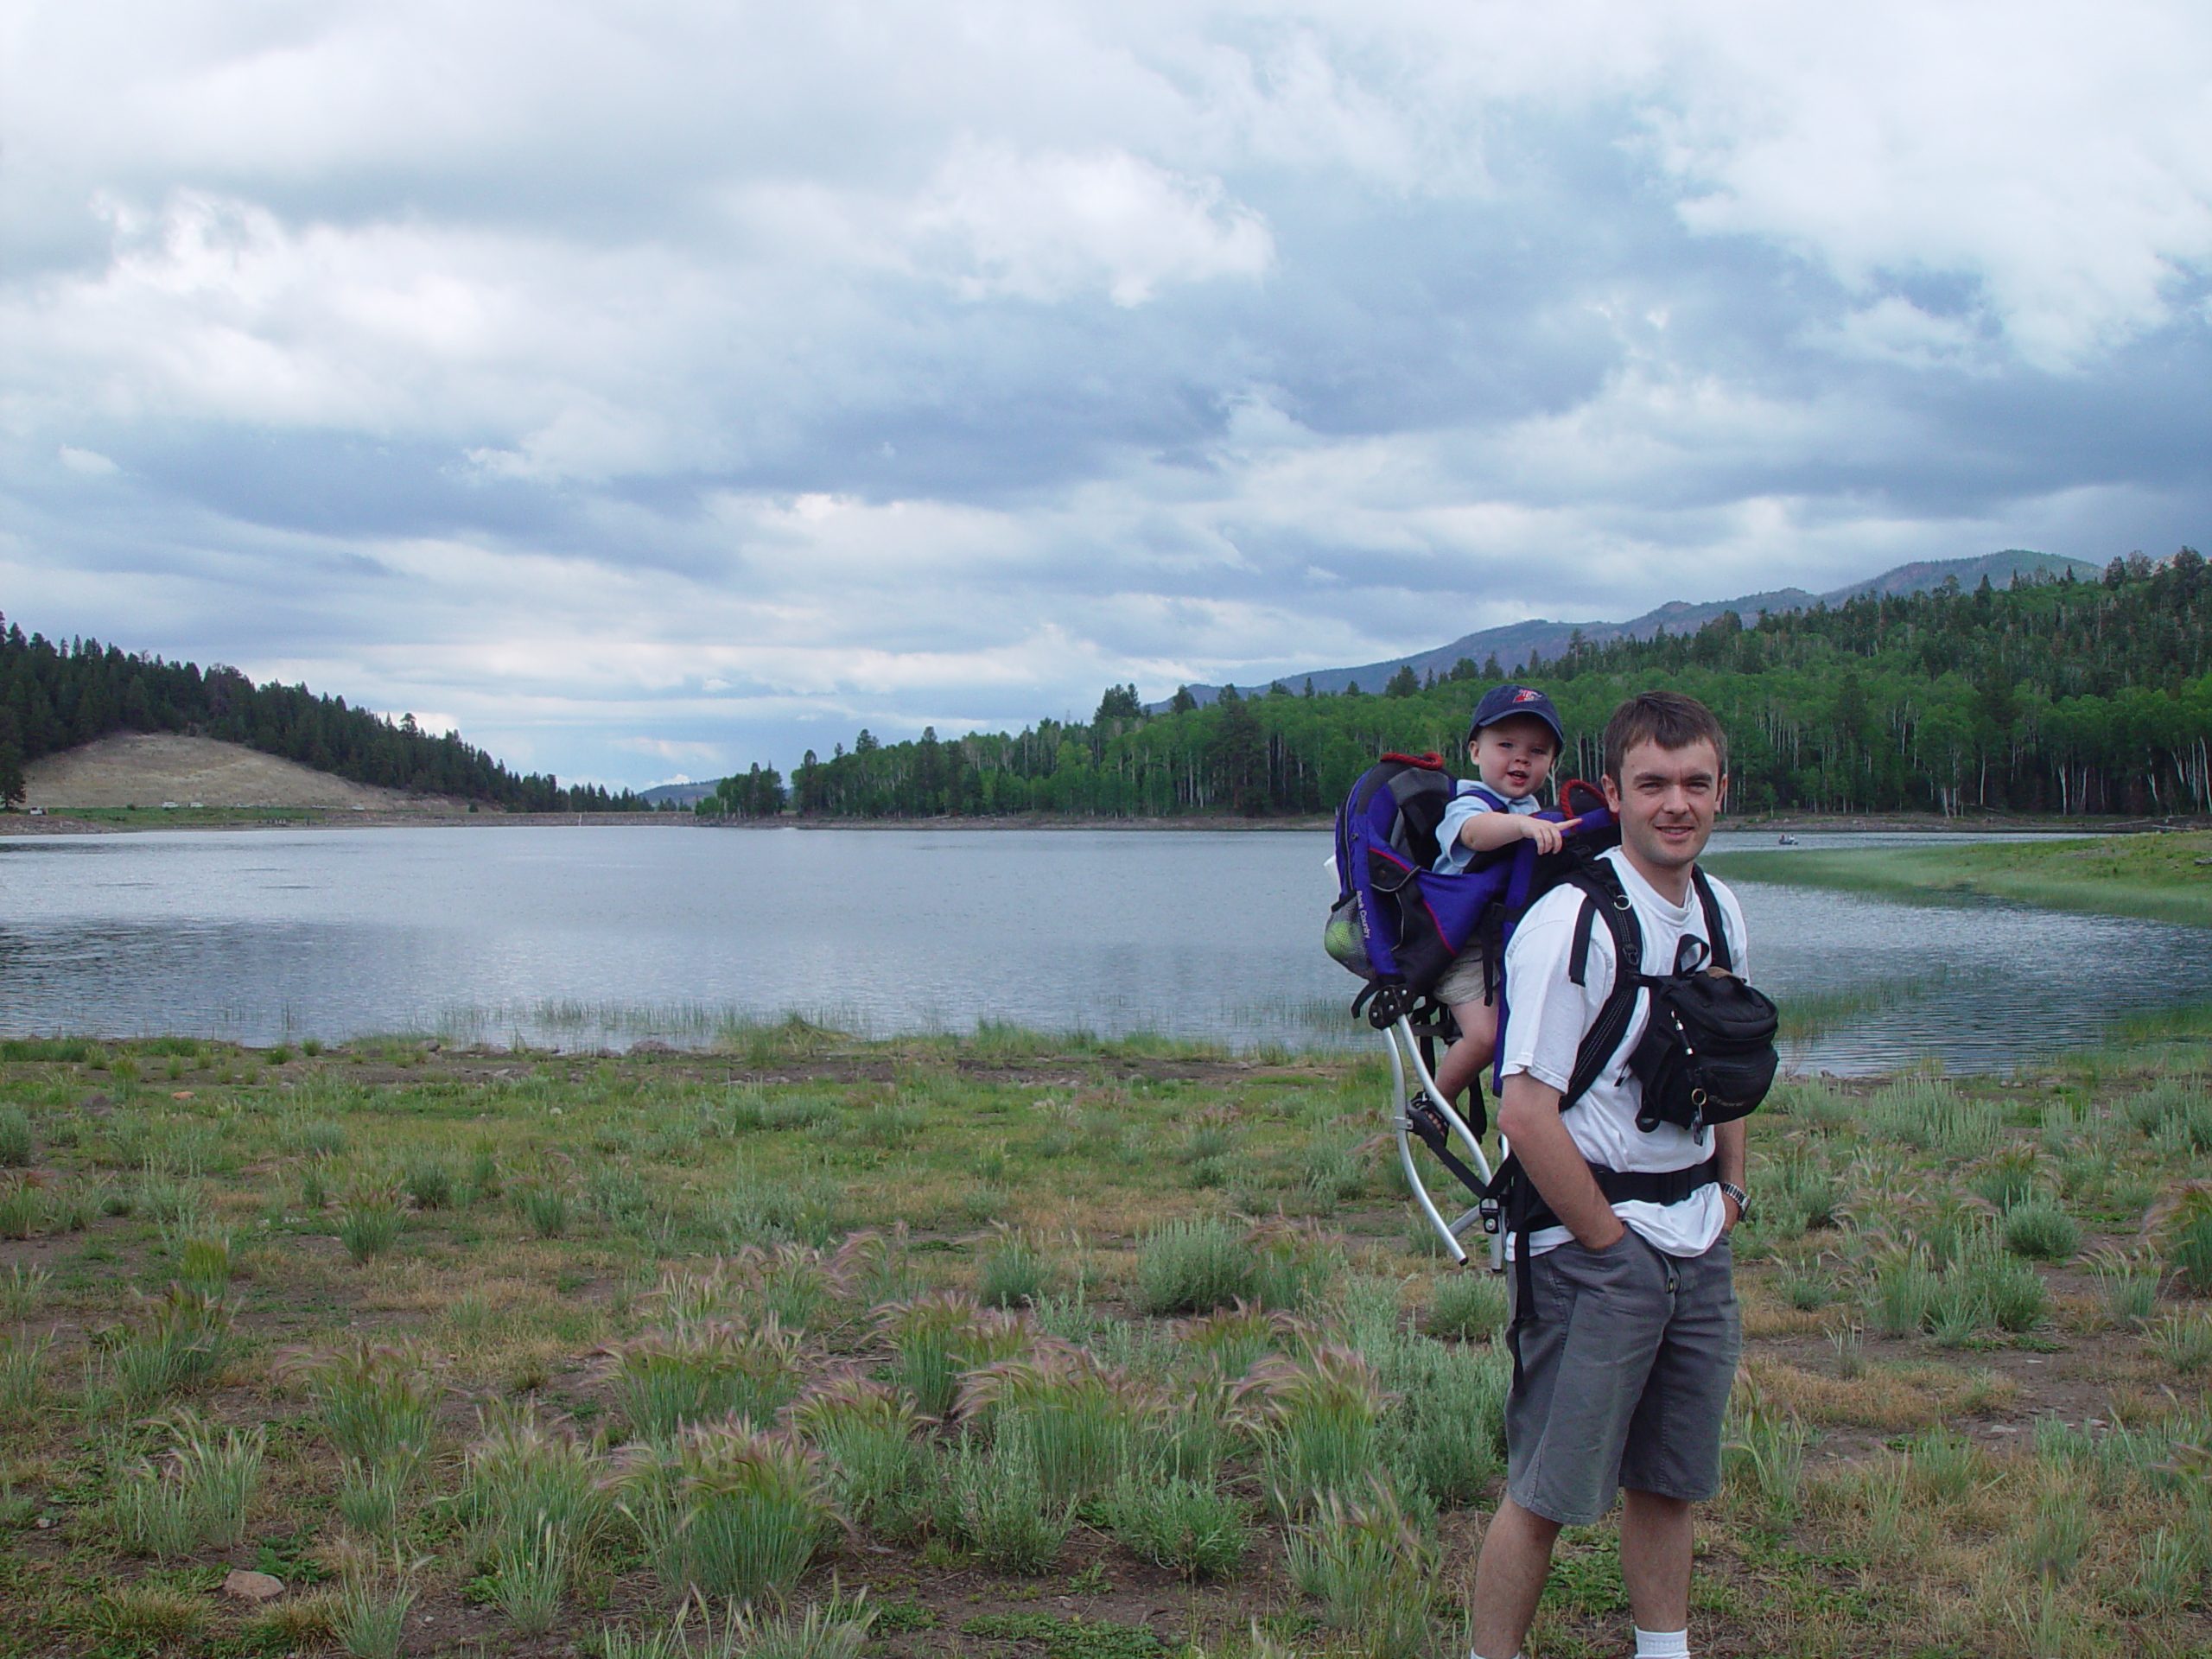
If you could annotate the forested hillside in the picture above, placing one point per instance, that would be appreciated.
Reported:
(2056, 696)
(54, 696)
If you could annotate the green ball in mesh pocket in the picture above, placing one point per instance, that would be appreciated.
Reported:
(1344, 940)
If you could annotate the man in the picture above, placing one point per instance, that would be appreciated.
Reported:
(1625, 1325)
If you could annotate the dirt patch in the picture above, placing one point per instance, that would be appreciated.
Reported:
(153, 769)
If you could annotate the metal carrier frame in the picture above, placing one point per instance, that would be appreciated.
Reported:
(1409, 1022)
(1443, 1124)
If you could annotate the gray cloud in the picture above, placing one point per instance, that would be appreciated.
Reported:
(655, 391)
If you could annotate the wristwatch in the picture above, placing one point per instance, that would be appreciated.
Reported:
(1743, 1198)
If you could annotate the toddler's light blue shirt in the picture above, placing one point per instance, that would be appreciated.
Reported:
(1470, 798)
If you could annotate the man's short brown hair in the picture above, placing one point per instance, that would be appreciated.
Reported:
(1666, 718)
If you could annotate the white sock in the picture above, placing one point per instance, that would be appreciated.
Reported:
(1661, 1644)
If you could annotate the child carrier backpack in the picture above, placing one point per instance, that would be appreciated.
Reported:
(1383, 927)
(1397, 922)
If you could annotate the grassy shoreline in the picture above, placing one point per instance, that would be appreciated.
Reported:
(1971, 1377)
(2161, 877)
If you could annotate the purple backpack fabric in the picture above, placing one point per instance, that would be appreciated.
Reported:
(1397, 923)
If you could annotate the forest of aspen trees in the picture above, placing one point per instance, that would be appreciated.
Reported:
(2054, 696)
(2058, 697)
(55, 695)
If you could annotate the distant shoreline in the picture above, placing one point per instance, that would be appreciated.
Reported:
(61, 821)
(57, 821)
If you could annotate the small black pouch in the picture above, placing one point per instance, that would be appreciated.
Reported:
(1708, 1053)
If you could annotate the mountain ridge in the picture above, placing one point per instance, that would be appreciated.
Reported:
(684, 795)
(1514, 643)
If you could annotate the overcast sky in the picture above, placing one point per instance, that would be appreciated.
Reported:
(648, 388)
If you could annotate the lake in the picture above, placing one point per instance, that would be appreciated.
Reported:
(594, 936)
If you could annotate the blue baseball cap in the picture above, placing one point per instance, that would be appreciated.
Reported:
(1505, 701)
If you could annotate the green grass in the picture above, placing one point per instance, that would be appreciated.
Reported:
(197, 1495)
(1066, 1638)
(729, 1514)
(1317, 1422)
(837, 1630)
(1015, 1274)
(1002, 1507)
(665, 1380)
(492, 1411)
(371, 1621)
(2042, 1229)
(1469, 1305)
(376, 1401)
(1191, 1528)
(1371, 1572)
(2165, 877)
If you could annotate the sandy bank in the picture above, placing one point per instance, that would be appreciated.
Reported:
(141, 769)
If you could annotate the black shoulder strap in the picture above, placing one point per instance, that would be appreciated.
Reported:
(1716, 924)
(1577, 961)
(1603, 894)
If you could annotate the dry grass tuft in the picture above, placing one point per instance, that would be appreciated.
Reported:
(1888, 1396)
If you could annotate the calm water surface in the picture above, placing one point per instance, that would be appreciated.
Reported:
(601, 936)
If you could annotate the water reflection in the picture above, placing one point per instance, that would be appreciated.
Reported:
(589, 937)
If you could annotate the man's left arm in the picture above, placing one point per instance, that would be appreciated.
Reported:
(1728, 1152)
(1728, 1138)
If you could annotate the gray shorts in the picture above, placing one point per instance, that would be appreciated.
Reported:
(1462, 979)
(1624, 1377)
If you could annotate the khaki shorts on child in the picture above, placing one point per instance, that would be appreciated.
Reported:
(1462, 979)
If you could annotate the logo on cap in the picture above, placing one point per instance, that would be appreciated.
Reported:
(1524, 695)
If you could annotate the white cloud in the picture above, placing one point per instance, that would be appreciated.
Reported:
(664, 748)
(437, 723)
(618, 377)
(1044, 226)
(1893, 329)
(2059, 158)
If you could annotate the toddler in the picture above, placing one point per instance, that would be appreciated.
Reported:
(1512, 741)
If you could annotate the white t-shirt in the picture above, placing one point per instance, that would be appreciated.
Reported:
(1547, 1014)
(1467, 800)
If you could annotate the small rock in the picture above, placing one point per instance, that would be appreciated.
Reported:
(181, 1093)
(96, 1105)
(253, 1587)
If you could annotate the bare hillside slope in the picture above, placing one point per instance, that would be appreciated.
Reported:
(147, 770)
